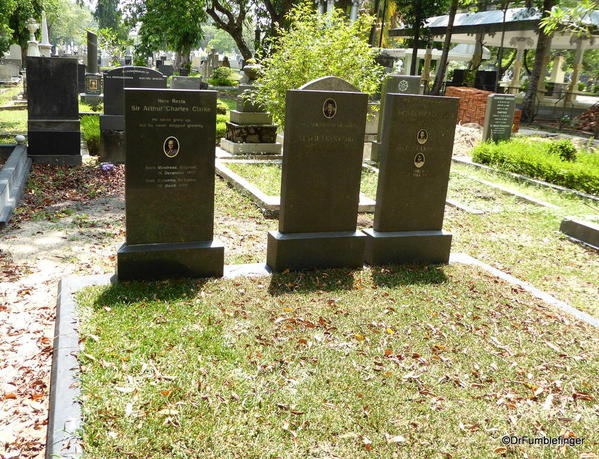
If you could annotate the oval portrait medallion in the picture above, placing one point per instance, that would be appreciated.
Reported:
(329, 108)
(402, 86)
(171, 147)
(419, 160)
(422, 136)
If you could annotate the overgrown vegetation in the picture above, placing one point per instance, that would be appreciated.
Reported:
(316, 45)
(549, 161)
(90, 129)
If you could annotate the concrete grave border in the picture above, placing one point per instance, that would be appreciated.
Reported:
(13, 178)
(517, 194)
(65, 419)
(523, 178)
(269, 205)
(449, 202)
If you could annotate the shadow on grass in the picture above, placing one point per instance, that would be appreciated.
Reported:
(326, 280)
(396, 275)
(128, 293)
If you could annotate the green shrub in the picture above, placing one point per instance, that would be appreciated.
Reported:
(90, 128)
(534, 159)
(316, 45)
(565, 149)
(221, 107)
(581, 86)
(222, 76)
(221, 130)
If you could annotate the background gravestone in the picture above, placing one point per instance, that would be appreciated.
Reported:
(53, 111)
(185, 82)
(112, 123)
(169, 186)
(499, 117)
(81, 78)
(250, 129)
(93, 79)
(322, 165)
(413, 179)
(397, 84)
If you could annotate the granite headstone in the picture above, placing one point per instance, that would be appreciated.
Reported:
(320, 185)
(53, 110)
(499, 117)
(398, 84)
(413, 180)
(112, 123)
(185, 82)
(169, 186)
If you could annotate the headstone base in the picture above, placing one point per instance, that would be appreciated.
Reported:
(57, 160)
(375, 152)
(406, 247)
(250, 117)
(304, 251)
(250, 148)
(112, 146)
(173, 260)
(586, 232)
(92, 99)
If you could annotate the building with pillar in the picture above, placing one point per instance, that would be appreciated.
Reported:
(518, 30)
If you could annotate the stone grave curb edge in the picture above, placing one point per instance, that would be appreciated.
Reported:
(14, 174)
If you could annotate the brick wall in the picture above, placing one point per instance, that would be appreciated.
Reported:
(473, 103)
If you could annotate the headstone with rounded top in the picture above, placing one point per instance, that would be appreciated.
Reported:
(320, 188)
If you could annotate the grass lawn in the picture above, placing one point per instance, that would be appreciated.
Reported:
(6, 97)
(13, 122)
(515, 236)
(412, 362)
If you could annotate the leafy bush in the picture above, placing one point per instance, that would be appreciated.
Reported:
(565, 149)
(222, 76)
(221, 107)
(90, 128)
(221, 127)
(534, 159)
(315, 45)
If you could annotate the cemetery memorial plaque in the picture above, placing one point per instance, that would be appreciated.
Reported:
(499, 117)
(112, 123)
(412, 182)
(169, 186)
(53, 115)
(322, 165)
(185, 82)
(398, 84)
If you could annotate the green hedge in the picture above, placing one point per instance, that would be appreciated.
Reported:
(533, 158)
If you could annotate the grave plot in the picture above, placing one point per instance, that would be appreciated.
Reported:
(477, 195)
(443, 361)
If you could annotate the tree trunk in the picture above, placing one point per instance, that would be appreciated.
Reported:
(413, 69)
(528, 104)
(233, 25)
(442, 64)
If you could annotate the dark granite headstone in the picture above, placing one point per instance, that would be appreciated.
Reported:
(184, 72)
(53, 110)
(499, 117)
(417, 144)
(81, 78)
(398, 84)
(117, 79)
(170, 186)
(112, 123)
(166, 69)
(322, 165)
(184, 82)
